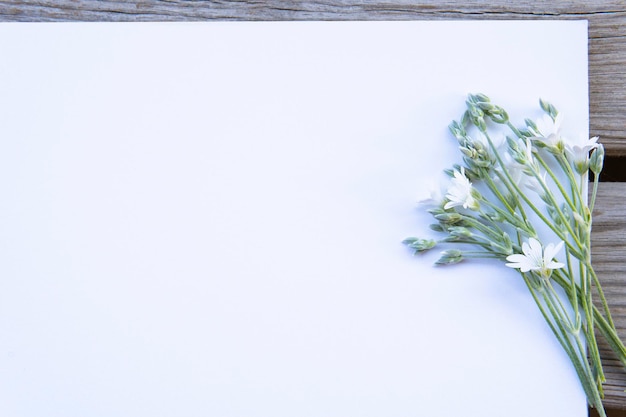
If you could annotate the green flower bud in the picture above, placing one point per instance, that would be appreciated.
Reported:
(449, 218)
(476, 116)
(495, 217)
(512, 143)
(477, 98)
(585, 254)
(531, 125)
(483, 162)
(470, 153)
(476, 198)
(548, 108)
(488, 108)
(512, 200)
(580, 221)
(587, 214)
(436, 210)
(518, 155)
(558, 148)
(507, 244)
(437, 227)
(499, 248)
(420, 245)
(465, 120)
(475, 111)
(457, 130)
(480, 124)
(583, 227)
(554, 215)
(450, 257)
(460, 231)
(596, 162)
(499, 115)
(545, 197)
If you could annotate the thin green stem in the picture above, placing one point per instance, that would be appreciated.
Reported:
(515, 130)
(589, 334)
(532, 206)
(606, 328)
(572, 293)
(476, 224)
(576, 352)
(578, 357)
(564, 220)
(557, 302)
(564, 193)
(496, 191)
(594, 193)
(514, 221)
(567, 169)
(598, 286)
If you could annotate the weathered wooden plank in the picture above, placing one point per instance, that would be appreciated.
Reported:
(608, 242)
(607, 30)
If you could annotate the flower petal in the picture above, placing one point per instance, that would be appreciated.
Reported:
(550, 252)
(535, 246)
(554, 265)
(519, 261)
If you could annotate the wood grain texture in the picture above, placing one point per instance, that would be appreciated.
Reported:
(607, 83)
(608, 243)
(607, 30)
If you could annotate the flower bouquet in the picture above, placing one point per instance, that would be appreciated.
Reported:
(520, 196)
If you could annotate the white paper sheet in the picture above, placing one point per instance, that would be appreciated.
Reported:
(204, 219)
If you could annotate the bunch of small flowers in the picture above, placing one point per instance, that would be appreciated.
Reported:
(523, 200)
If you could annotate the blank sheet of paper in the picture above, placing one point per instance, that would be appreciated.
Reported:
(204, 219)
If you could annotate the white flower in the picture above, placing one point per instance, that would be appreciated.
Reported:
(578, 151)
(536, 258)
(535, 185)
(498, 141)
(437, 195)
(550, 131)
(528, 150)
(507, 162)
(514, 169)
(460, 192)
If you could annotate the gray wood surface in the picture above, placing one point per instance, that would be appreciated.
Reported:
(608, 241)
(607, 30)
(607, 78)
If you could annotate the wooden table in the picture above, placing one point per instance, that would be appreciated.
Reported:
(607, 83)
